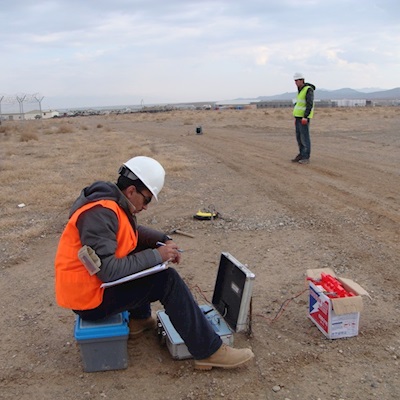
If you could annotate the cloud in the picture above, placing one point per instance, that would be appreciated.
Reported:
(186, 49)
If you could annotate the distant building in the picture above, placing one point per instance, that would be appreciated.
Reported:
(34, 114)
(351, 103)
(274, 104)
(317, 103)
(235, 104)
(324, 103)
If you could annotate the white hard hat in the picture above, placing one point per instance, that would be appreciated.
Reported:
(148, 170)
(298, 75)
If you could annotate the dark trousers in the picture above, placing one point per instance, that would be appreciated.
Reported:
(303, 138)
(169, 288)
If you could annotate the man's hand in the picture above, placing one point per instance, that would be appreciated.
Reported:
(170, 252)
(304, 121)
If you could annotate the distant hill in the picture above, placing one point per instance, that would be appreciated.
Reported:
(345, 93)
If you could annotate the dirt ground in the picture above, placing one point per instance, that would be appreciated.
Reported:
(279, 218)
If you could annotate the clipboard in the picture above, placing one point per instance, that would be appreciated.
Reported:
(136, 275)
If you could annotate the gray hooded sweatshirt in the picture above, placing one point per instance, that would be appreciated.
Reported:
(98, 228)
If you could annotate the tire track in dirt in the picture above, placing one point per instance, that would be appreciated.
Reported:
(341, 198)
(351, 185)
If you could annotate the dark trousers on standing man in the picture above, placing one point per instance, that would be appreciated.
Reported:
(303, 139)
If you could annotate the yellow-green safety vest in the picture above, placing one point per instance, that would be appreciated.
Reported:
(300, 106)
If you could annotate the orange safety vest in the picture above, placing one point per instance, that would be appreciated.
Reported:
(75, 287)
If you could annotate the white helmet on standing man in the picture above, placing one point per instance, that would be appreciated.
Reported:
(148, 170)
(298, 75)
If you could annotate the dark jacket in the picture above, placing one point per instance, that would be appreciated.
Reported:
(309, 98)
(97, 229)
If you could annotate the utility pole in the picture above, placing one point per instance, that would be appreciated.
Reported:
(21, 105)
(39, 100)
(1, 117)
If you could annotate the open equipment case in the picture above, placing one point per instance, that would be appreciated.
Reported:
(229, 312)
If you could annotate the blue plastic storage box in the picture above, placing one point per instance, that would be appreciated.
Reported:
(103, 343)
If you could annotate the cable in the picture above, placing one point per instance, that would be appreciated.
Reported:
(197, 289)
(283, 306)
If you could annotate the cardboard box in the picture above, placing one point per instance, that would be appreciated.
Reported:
(103, 344)
(335, 317)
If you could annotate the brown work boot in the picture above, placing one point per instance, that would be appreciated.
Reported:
(225, 357)
(138, 326)
(297, 158)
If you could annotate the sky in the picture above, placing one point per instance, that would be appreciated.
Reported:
(79, 53)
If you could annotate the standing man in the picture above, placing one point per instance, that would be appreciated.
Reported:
(103, 218)
(303, 112)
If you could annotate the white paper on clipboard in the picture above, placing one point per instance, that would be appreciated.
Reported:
(136, 275)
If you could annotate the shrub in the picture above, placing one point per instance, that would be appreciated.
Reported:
(27, 136)
(65, 128)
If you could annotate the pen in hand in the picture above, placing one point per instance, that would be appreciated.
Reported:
(163, 244)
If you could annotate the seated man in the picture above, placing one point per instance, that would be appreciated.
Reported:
(103, 217)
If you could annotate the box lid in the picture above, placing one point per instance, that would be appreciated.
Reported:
(347, 305)
(232, 291)
(352, 286)
(115, 325)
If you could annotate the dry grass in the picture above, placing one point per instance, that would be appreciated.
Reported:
(44, 164)
(65, 128)
(54, 161)
(27, 136)
(341, 211)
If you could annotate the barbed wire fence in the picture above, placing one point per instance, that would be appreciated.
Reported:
(20, 99)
